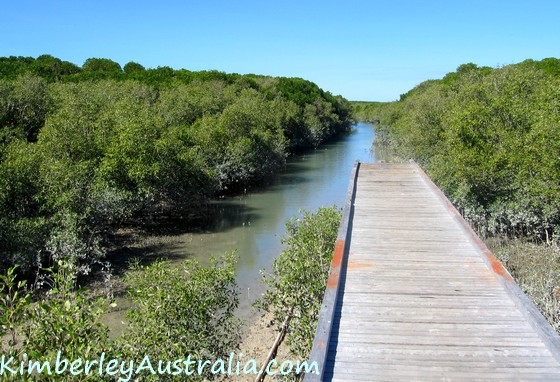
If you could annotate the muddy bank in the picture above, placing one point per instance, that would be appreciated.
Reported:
(258, 338)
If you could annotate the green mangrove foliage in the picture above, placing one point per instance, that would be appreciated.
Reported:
(176, 313)
(489, 138)
(297, 283)
(367, 111)
(83, 149)
(64, 323)
(185, 311)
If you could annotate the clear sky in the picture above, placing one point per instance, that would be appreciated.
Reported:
(363, 50)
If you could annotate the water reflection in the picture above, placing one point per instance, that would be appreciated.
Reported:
(252, 224)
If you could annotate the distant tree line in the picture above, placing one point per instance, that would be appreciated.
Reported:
(490, 138)
(367, 111)
(85, 148)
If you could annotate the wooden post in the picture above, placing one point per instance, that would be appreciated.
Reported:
(274, 349)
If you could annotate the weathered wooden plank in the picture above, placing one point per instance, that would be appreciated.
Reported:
(429, 256)
(374, 304)
(425, 315)
(454, 368)
(470, 358)
(456, 331)
(441, 376)
(391, 299)
(370, 353)
(519, 340)
(419, 373)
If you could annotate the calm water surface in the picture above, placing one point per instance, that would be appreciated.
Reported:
(253, 223)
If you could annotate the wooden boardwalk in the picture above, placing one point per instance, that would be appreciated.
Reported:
(414, 295)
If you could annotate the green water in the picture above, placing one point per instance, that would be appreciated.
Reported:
(253, 223)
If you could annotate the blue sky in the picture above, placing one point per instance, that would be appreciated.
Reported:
(362, 50)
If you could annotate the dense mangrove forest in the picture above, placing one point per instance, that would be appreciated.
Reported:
(84, 149)
(490, 139)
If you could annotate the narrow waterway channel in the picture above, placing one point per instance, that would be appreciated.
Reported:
(253, 223)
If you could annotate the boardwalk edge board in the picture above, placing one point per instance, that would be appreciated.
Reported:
(319, 351)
